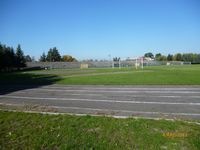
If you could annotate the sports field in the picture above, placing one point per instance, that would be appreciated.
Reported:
(158, 75)
(161, 92)
(155, 75)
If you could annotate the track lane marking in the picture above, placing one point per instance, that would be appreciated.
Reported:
(95, 100)
(133, 96)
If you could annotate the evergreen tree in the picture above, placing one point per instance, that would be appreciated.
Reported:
(53, 55)
(43, 57)
(28, 58)
(20, 59)
(1, 57)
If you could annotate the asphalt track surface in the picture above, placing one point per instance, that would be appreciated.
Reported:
(180, 102)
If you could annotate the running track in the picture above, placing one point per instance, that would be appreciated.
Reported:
(121, 101)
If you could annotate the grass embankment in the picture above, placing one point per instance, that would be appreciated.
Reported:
(36, 131)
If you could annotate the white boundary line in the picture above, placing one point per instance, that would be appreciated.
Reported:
(133, 96)
(95, 100)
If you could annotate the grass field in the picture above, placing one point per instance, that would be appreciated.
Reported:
(159, 75)
(156, 75)
(37, 131)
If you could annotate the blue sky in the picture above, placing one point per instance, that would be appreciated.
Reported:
(96, 28)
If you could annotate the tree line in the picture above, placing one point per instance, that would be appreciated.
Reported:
(53, 55)
(186, 57)
(11, 59)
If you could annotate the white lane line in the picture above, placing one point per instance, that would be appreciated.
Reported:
(95, 100)
(88, 94)
(9, 104)
(115, 110)
(111, 91)
(133, 96)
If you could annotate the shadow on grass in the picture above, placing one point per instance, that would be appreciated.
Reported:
(11, 82)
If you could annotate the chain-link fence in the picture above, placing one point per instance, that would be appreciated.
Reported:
(101, 64)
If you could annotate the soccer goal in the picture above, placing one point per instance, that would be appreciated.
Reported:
(139, 62)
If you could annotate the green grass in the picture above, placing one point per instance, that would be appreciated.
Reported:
(27, 78)
(69, 72)
(36, 131)
(157, 75)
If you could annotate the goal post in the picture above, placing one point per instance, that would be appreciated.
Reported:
(139, 62)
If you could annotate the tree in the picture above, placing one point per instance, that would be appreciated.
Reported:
(1, 57)
(116, 59)
(43, 58)
(157, 56)
(20, 59)
(177, 57)
(198, 58)
(163, 58)
(28, 58)
(187, 57)
(68, 58)
(53, 55)
(149, 55)
(169, 57)
(7, 58)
